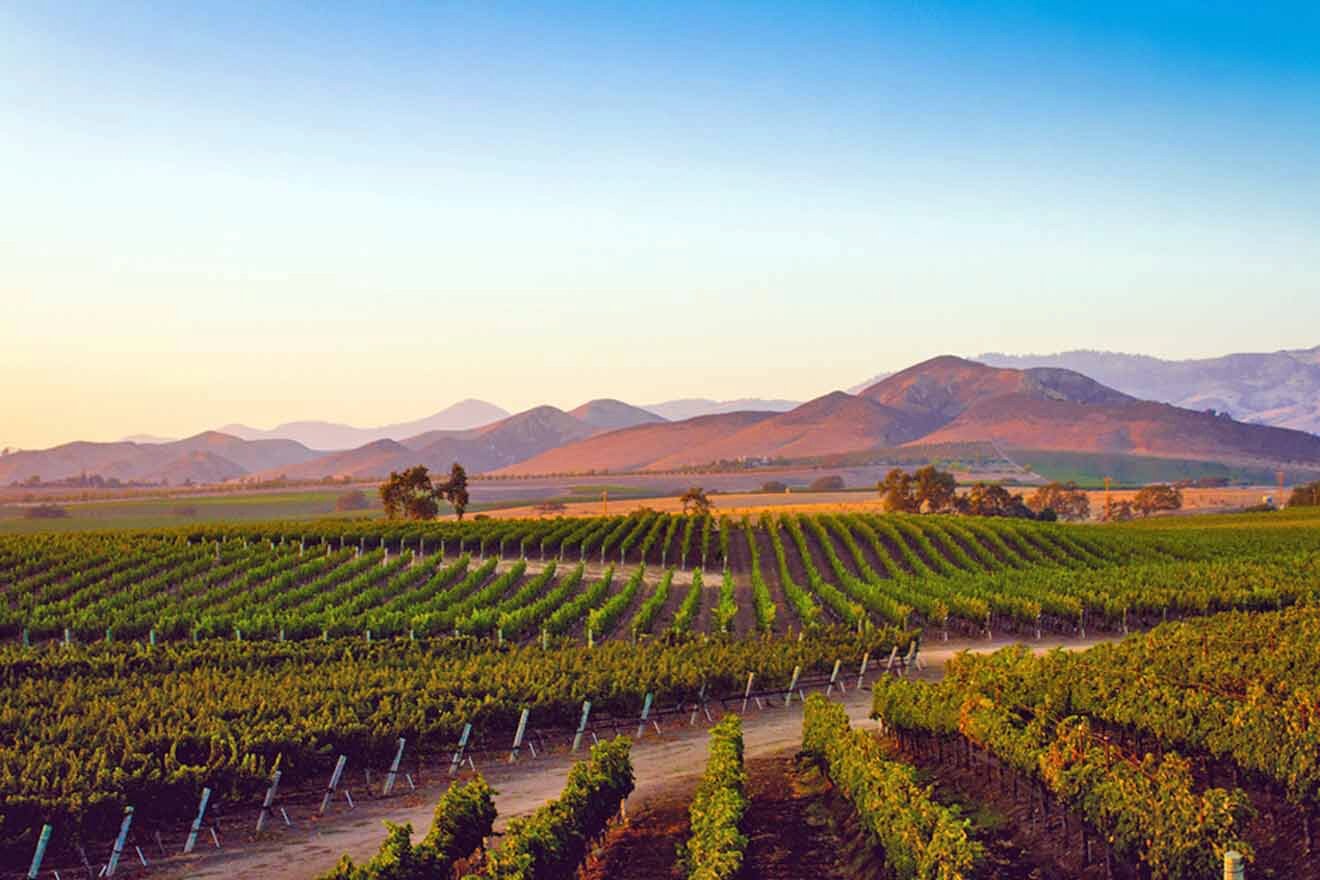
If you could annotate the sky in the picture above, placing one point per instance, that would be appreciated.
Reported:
(254, 212)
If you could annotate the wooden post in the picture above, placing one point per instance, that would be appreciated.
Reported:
(518, 737)
(582, 725)
(334, 783)
(458, 755)
(792, 685)
(269, 801)
(394, 768)
(646, 713)
(42, 842)
(834, 679)
(119, 843)
(1234, 868)
(861, 673)
(197, 822)
(747, 692)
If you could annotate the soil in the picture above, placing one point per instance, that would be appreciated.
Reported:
(791, 826)
(645, 847)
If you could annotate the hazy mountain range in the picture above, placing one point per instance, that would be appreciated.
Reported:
(1280, 388)
(329, 435)
(946, 399)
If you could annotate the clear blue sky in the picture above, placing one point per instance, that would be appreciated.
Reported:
(256, 212)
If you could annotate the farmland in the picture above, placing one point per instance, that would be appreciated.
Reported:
(142, 666)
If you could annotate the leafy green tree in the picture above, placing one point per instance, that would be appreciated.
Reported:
(409, 494)
(1065, 499)
(454, 490)
(934, 490)
(897, 492)
(1157, 497)
(1305, 496)
(696, 501)
(831, 483)
(992, 499)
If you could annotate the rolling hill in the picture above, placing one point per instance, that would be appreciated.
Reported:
(488, 448)
(943, 400)
(207, 457)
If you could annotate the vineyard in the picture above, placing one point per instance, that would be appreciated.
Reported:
(518, 579)
(140, 668)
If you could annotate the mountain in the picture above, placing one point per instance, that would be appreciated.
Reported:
(1280, 388)
(837, 422)
(636, 448)
(1056, 409)
(464, 415)
(610, 415)
(691, 407)
(207, 457)
(510, 440)
(943, 400)
(148, 438)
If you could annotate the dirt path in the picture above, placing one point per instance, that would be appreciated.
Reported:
(662, 763)
(790, 833)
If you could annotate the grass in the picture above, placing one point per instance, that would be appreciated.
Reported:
(160, 512)
(1090, 469)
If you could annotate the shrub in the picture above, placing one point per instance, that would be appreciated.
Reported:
(46, 511)
(355, 500)
(827, 484)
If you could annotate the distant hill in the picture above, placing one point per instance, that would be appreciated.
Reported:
(1280, 388)
(943, 400)
(490, 447)
(639, 447)
(207, 457)
(691, 407)
(1057, 409)
(610, 415)
(461, 416)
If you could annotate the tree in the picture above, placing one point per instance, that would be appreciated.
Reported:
(775, 487)
(1305, 496)
(454, 490)
(992, 499)
(548, 508)
(934, 490)
(1157, 497)
(695, 501)
(409, 494)
(1065, 499)
(897, 492)
(826, 484)
(1117, 511)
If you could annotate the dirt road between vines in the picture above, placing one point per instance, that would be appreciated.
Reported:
(674, 757)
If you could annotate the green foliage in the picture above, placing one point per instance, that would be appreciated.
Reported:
(1039, 715)
(552, 843)
(463, 818)
(716, 846)
(1305, 496)
(409, 494)
(922, 839)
